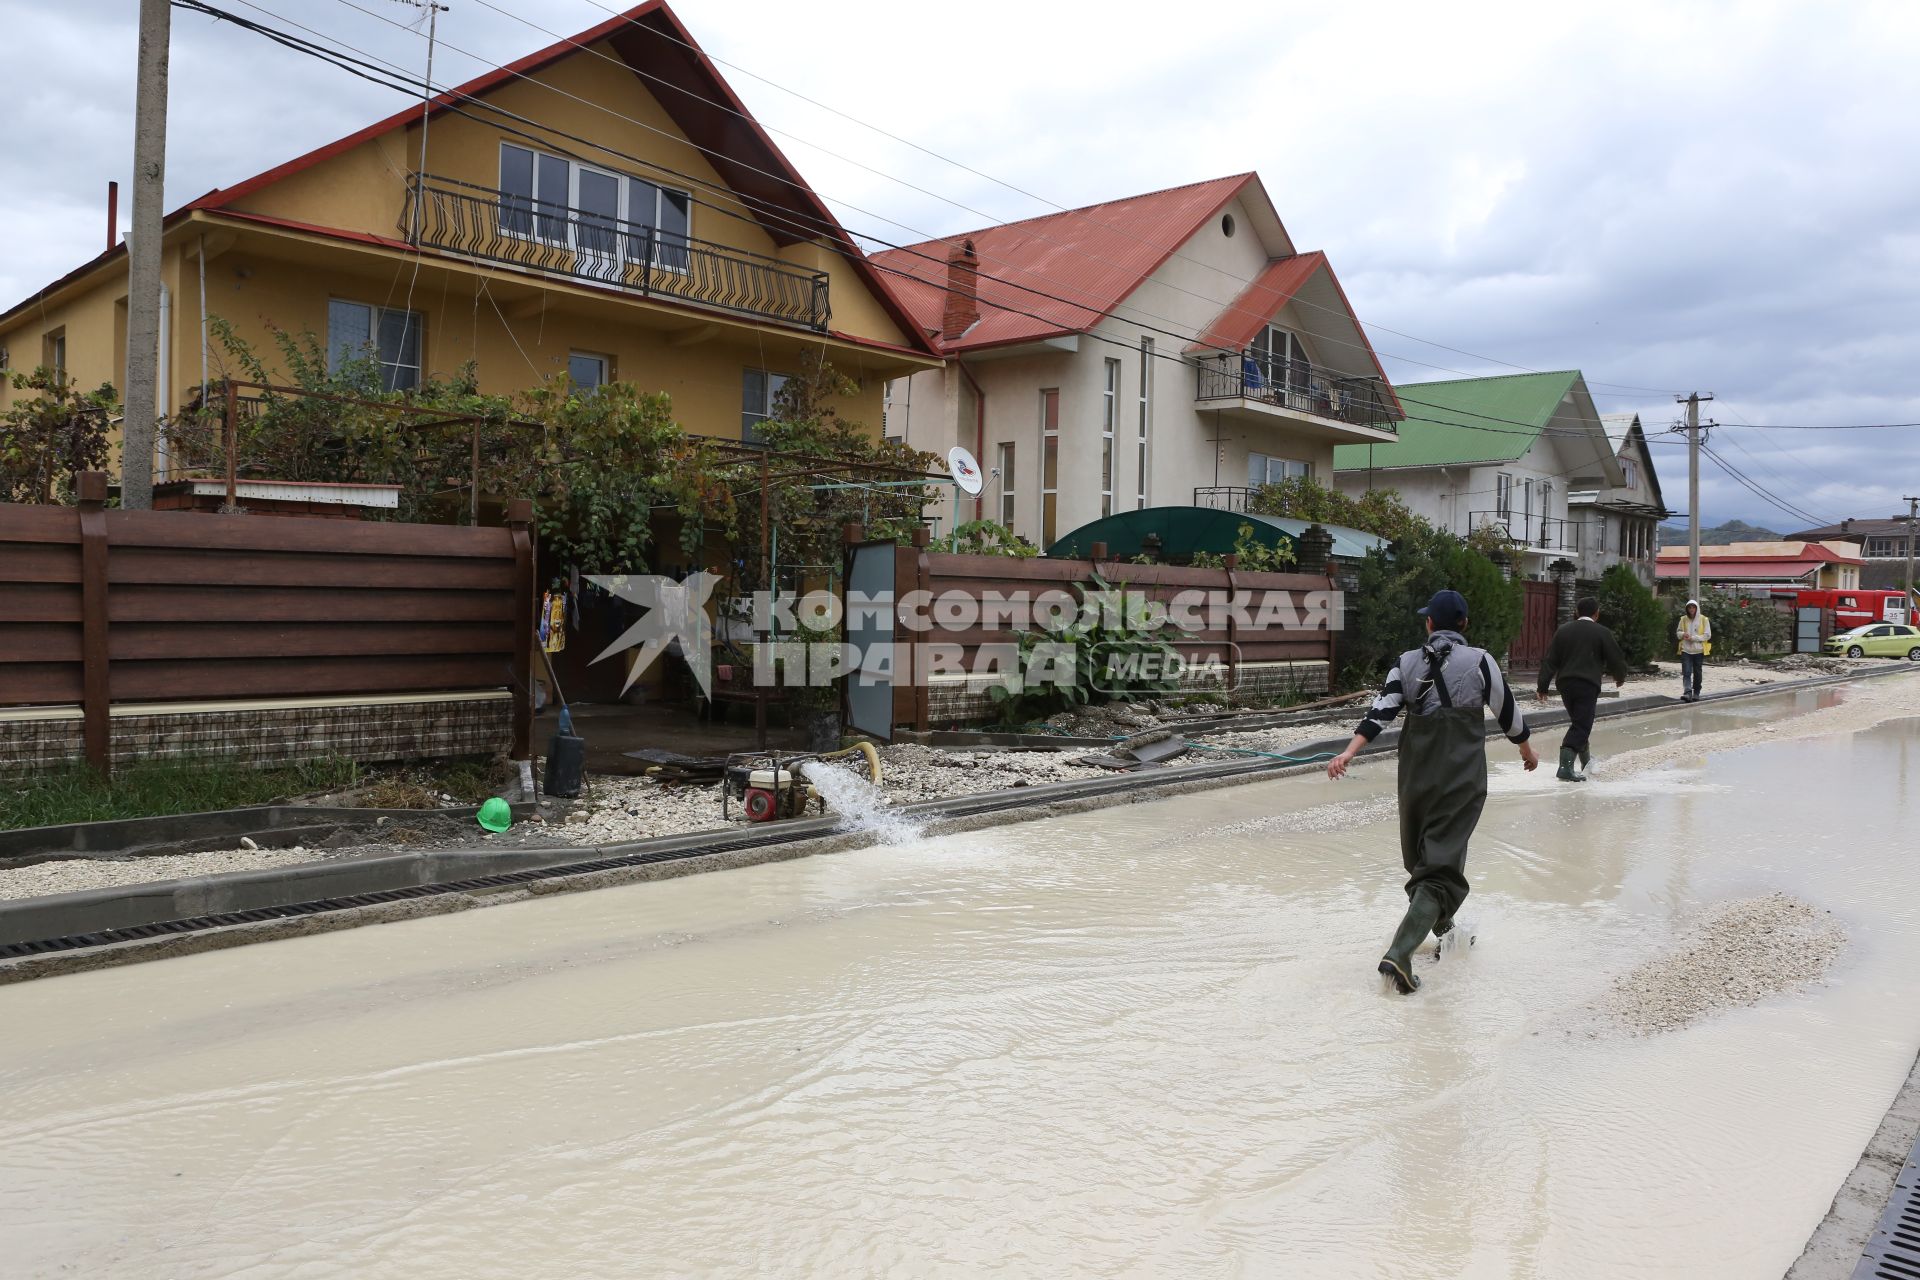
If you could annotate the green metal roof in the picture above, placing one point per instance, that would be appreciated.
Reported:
(1465, 420)
(1186, 530)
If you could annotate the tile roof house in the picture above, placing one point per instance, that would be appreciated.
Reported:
(603, 208)
(1162, 349)
(1503, 451)
(1618, 522)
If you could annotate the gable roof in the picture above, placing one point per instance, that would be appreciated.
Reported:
(1623, 429)
(687, 85)
(1092, 258)
(1234, 328)
(1466, 420)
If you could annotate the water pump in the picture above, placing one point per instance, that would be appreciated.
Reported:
(769, 785)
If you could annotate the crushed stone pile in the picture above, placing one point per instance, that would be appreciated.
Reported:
(1737, 954)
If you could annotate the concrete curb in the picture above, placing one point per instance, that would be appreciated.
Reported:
(77, 915)
(124, 836)
(1836, 1246)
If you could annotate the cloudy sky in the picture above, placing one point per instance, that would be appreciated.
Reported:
(1667, 196)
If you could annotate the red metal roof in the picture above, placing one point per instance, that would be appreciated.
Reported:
(694, 94)
(1725, 567)
(1091, 258)
(1234, 328)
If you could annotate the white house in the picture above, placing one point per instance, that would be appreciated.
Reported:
(1165, 349)
(1618, 522)
(1502, 451)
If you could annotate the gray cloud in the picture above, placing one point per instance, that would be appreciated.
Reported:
(1720, 196)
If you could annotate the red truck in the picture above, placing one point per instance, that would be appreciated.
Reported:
(1858, 606)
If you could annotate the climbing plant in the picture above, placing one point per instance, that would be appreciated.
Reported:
(50, 436)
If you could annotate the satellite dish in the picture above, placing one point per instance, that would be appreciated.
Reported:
(965, 471)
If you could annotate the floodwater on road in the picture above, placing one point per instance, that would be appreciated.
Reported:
(1145, 1040)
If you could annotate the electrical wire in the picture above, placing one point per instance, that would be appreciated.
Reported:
(403, 81)
(927, 238)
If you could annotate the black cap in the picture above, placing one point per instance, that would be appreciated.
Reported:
(1447, 609)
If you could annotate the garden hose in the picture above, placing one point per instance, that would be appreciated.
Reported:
(864, 748)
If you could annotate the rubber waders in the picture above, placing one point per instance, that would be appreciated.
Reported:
(1423, 912)
(1567, 773)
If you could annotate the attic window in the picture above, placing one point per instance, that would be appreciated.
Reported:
(1226, 225)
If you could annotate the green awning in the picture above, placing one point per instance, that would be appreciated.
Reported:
(1185, 531)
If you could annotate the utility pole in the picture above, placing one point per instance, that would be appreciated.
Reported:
(1913, 509)
(143, 257)
(1693, 492)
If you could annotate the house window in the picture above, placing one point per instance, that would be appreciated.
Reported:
(589, 372)
(1049, 463)
(759, 398)
(53, 354)
(609, 219)
(1146, 415)
(1503, 495)
(389, 336)
(1109, 419)
(1629, 473)
(1006, 484)
(1263, 469)
(1279, 361)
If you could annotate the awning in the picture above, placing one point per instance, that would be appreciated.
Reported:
(1186, 530)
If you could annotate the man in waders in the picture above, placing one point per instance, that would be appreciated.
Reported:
(1443, 768)
(1582, 651)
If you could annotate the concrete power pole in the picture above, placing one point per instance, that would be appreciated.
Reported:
(1693, 493)
(143, 257)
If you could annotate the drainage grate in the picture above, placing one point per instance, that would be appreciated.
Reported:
(1893, 1250)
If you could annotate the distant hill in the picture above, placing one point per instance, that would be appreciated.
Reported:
(1719, 535)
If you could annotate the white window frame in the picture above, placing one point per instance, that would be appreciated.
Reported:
(771, 394)
(1049, 486)
(570, 212)
(1146, 418)
(1503, 495)
(416, 323)
(1005, 463)
(1109, 420)
(604, 361)
(1274, 469)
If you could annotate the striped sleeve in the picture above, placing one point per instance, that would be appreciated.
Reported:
(1500, 701)
(1386, 705)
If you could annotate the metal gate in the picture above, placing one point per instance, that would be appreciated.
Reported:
(1539, 615)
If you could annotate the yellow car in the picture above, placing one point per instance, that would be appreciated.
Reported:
(1878, 640)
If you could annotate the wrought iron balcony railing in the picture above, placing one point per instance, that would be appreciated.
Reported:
(1298, 386)
(1541, 533)
(1224, 497)
(481, 222)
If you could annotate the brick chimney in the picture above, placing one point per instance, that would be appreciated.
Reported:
(963, 291)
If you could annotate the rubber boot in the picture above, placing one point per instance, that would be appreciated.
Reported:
(1586, 763)
(1423, 911)
(1566, 773)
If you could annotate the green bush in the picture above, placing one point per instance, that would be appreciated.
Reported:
(1637, 618)
(1383, 619)
(1093, 643)
(1742, 627)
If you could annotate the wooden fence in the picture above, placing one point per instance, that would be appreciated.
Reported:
(1233, 642)
(99, 607)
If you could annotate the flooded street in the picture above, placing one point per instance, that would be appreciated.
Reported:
(1146, 1040)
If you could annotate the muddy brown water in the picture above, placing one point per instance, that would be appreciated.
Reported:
(1144, 1040)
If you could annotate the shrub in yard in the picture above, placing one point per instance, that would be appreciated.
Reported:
(1112, 652)
(1638, 620)
(1742, 627)
(1383, 618)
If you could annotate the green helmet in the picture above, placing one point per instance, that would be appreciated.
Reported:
(494, 815)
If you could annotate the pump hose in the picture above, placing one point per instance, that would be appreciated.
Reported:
(864, 748)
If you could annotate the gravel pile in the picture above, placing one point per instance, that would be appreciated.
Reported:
(1739, 954)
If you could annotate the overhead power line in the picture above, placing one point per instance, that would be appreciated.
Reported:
(925, 236)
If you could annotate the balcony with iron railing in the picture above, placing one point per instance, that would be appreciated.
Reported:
(1532, 532)
(555, 240)
(1224, 497)
(1297, 388)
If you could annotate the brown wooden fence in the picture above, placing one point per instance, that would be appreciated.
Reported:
(921, 569)
(100, 607)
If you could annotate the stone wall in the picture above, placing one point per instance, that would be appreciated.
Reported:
(964, 699)
(401, 727)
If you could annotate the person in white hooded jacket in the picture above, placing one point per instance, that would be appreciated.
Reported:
(1695, 635)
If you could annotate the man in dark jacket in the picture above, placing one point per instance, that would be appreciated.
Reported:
(1582, 652)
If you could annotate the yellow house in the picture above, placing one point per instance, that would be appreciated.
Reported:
(605, 208)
